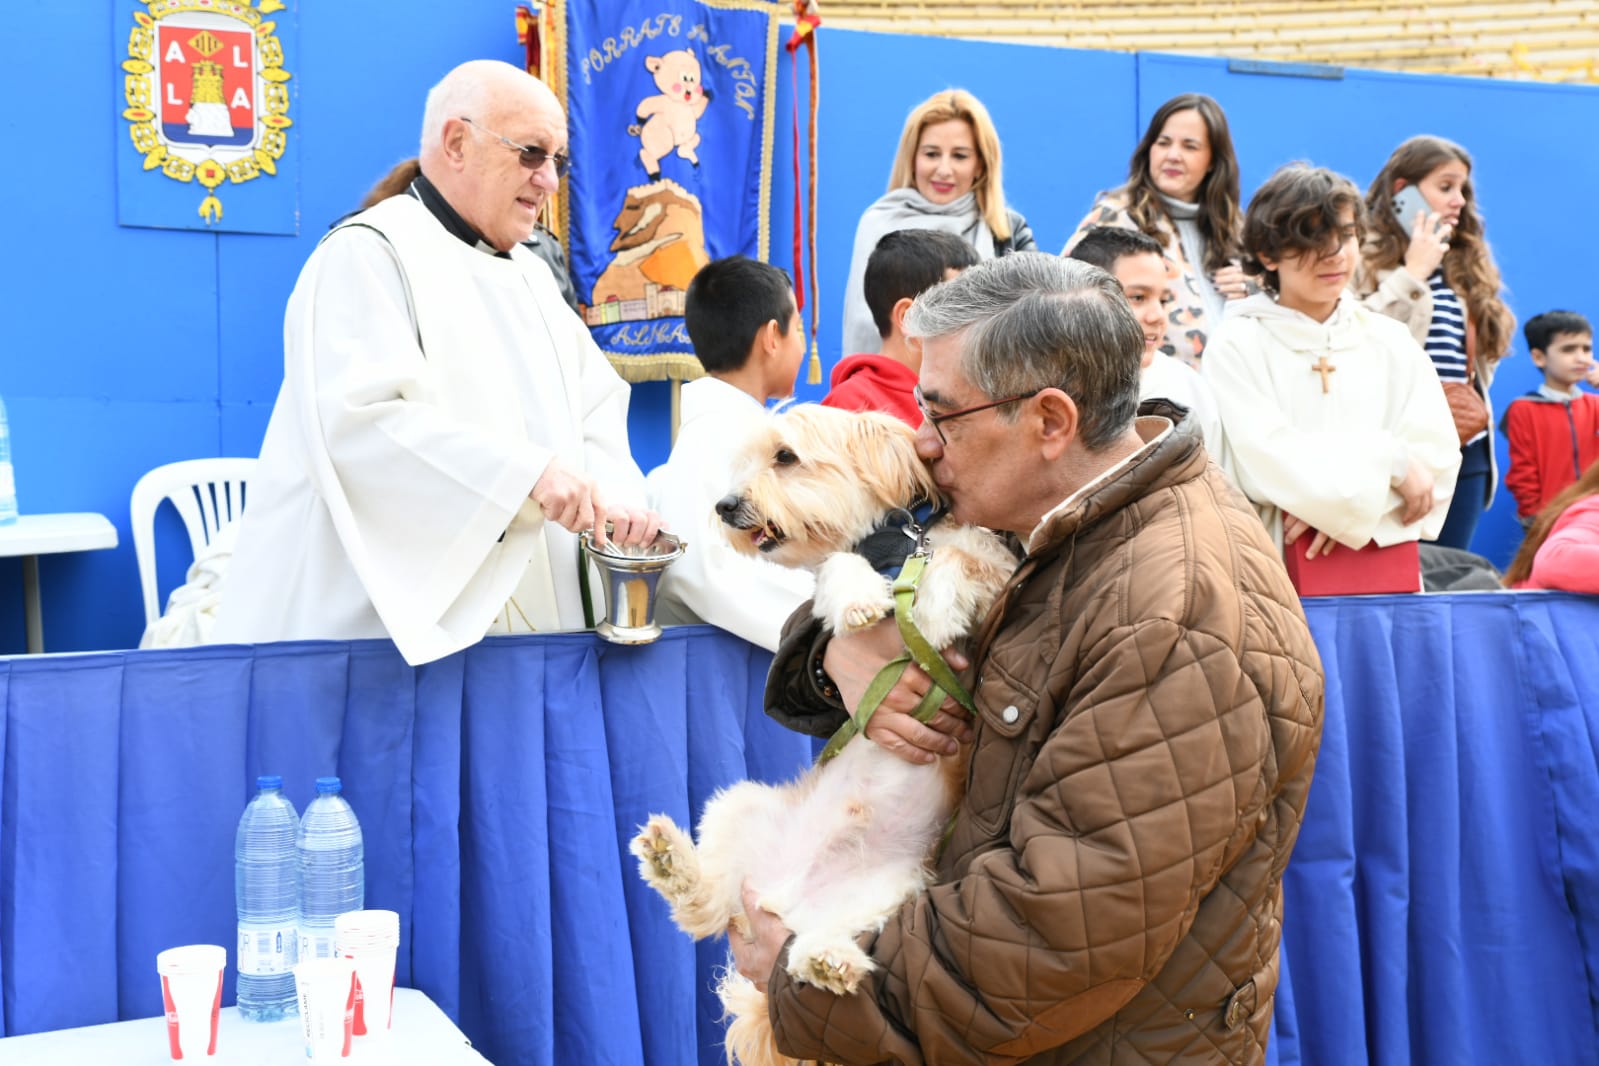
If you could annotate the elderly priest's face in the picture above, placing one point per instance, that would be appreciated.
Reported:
(500, 196)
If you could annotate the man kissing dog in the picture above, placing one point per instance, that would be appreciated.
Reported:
(1148, 708)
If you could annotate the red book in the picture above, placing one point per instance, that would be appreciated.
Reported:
(1348, 572)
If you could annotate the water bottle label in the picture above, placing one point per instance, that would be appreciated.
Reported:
(315, 945)
(265, 950)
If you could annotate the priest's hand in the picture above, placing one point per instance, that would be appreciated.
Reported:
(755, 952)
(1416, 491)
(852, 660)
(567, 497)
(630, 526)
(1294, 528)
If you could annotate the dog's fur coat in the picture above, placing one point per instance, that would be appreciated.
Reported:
(836, 852)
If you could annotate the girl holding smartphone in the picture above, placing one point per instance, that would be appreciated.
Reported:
(1426, 263)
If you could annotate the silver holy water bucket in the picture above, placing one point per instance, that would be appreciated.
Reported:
(630, 575)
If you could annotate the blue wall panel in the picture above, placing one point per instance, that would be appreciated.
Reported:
(126, 348)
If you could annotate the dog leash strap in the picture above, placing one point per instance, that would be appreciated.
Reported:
(926, 656)
(871, 699)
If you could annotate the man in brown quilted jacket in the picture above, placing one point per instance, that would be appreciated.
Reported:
(1149, 710)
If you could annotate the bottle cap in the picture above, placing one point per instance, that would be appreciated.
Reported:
(269, 781)
(325, 785)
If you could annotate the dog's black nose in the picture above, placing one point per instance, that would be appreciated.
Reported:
(726, 506)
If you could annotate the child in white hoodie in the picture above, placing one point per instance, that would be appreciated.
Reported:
(1335, 426)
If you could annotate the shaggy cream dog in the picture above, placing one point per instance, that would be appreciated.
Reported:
(837, 851)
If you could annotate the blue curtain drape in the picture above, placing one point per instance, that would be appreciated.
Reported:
(1442, 904)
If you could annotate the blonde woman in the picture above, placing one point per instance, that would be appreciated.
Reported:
(1182, 190)
(1442, 284)
(946, 176)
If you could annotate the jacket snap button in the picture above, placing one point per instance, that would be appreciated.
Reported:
(1189, 1014)
(1010, 714)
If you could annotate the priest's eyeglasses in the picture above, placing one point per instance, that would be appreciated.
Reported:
(530, 156)
(936, 420)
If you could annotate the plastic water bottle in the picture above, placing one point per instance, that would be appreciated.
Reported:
(266, 886)
(8, 481)
(332, 867)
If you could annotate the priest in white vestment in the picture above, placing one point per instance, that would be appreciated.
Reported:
(446, 424)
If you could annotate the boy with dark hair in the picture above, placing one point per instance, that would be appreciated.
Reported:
(904, 264)
(1554, 429)
(748, 335)
(1139, 264)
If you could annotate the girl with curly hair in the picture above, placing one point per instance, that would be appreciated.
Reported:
(1442, 283)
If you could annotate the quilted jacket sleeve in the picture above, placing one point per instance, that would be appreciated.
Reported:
(1149, 784)
(796, 697)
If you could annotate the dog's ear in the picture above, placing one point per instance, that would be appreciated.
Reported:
(885, 451)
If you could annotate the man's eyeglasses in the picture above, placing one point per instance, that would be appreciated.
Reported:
(936, 420)
(530, 157)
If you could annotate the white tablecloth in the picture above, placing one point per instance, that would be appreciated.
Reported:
(422, 1035)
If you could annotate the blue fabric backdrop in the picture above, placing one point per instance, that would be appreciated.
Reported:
(1443, 904)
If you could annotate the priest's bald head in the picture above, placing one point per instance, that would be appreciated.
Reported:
(493, 144)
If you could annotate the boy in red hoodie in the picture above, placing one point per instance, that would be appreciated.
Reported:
(1553, 430)
(904, 264)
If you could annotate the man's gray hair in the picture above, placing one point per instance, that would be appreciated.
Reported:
(1031, 321)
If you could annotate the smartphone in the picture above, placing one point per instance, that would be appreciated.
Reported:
(1407, 202)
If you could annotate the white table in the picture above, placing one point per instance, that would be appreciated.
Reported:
(34, 535)
(422, 1035)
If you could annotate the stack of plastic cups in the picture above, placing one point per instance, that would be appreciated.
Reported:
(370, 939)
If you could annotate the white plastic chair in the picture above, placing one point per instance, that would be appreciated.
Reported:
(208, 493)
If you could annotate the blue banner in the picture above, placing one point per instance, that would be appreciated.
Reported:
(671, 110)
(205, 92)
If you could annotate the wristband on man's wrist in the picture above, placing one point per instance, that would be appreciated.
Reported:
(824, 684)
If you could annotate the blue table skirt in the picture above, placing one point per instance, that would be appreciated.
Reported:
(1443, 903)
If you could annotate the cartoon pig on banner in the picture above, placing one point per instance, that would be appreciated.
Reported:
(670, 116)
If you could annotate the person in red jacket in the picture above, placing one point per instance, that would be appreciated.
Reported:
(1553, 430)
(904, 264)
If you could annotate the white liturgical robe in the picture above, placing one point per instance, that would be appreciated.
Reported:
(1330, 453)
(427, 385)
(742, 594)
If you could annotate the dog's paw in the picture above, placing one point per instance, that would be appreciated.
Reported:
(666, 857)
(836, 965)
(853, 617)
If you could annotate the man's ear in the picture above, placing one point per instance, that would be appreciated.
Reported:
(1539, 357)
(454, 137)
(898, 312)
(1057, 421)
